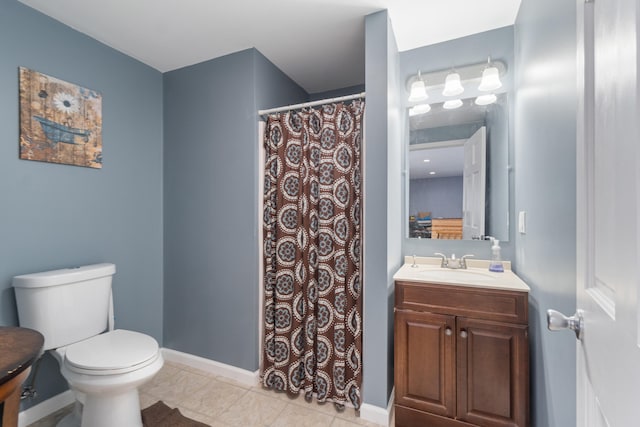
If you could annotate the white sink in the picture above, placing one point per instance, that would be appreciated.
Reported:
(450, 275)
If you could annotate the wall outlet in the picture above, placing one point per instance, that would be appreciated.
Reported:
(522, 222)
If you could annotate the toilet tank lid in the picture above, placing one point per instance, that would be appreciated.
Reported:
(63, 276)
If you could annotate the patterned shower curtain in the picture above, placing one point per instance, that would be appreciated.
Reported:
(312, 252)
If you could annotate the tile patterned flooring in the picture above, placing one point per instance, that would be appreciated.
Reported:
(221, 402)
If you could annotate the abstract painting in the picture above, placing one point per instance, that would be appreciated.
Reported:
(60, 122)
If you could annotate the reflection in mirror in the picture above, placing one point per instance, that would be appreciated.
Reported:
(458, 171)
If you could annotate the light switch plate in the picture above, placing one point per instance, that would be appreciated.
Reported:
(522, 222)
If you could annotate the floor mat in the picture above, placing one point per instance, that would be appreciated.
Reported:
(160, 415)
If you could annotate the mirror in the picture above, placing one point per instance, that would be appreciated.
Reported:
(445, 201)
(450, 203)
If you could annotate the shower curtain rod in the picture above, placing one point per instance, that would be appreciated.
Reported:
(311, 104)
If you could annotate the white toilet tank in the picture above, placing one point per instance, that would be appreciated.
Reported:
(66, 305)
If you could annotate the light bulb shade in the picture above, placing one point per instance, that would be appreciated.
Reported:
(419, 109)
(452, 104)
(452, 85)
(418, 91)
(490, 79)
(486, 99)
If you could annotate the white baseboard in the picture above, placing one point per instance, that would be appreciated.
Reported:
(376, 414)
(211, 366)
(44, 408)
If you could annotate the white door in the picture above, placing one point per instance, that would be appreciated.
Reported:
(608, 258)
(474, 182)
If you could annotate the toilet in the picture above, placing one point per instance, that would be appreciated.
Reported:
(73, 309)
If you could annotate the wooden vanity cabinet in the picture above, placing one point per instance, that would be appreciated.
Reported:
(461, 356)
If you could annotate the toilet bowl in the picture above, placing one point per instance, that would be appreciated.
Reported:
(104, 367)
(106, 371)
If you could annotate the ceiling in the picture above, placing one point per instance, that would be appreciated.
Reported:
(438, 162)
(439, 117)
(318, 43)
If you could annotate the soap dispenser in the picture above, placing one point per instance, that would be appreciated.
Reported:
(496, 260)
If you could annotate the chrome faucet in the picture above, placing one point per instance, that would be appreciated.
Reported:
(453, 262)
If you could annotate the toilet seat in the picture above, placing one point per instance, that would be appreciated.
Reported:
(114, 352)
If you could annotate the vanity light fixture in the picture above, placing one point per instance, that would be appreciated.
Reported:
(418, 90)
(426, 160)
(448, 84)
(419, 109)
(490, 78)
(432, 173)
(452, 85)
(486, 99)
(452, 104)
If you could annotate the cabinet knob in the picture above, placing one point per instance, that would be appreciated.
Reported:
(463, 333)
(447, 331)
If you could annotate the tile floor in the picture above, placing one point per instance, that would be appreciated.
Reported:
(221, 402)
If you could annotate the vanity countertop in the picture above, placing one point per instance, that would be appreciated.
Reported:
(476, 274)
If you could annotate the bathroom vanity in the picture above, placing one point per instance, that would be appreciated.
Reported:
(461, 346)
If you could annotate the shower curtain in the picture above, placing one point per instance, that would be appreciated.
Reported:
(312, 252)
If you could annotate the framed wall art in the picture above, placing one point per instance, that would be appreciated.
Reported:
(60, 122)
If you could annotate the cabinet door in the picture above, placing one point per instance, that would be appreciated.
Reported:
(424, 361)
(493, 373)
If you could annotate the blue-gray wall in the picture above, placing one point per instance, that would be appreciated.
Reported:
(54, 216)
(545, 171)
(396, 122)
(498, 168)
(499, 45)
(382, 205)
(349, 90)
(211, 203)
(441, 196)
